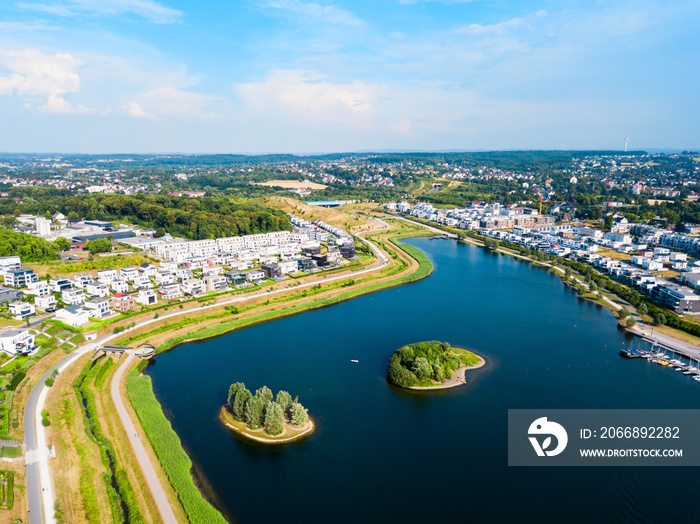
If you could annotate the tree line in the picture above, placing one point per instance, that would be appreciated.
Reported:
(262, 410)
(193, 218)
(28, 247)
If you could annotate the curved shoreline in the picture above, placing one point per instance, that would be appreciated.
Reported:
(266, 439)
(458, 379)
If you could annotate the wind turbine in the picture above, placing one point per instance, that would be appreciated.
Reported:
(626, 139)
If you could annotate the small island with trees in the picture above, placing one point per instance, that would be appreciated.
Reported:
(431, 365)
(263, 417)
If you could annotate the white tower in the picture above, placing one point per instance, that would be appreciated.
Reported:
(626, 139)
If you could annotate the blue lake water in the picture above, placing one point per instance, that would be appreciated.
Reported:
(385, 455)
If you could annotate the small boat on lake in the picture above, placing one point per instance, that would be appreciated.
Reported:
(354, 361)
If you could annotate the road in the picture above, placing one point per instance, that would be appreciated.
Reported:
(166, 511)
(39, 485)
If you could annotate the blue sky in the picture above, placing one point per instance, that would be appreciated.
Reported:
(251, 76)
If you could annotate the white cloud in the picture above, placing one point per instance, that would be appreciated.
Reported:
(309, 97)
(148, 9)
(329, 14)
(134, 109)
(57, 105)
(168, 101)
(33, 73)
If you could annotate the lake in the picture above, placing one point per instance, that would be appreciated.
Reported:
(380, 454)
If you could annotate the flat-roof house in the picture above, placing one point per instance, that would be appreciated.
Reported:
(255, 275)
(305, 264)
(17, 341)
(119, 286)
(82, 280)
(147, 297)
(73, 316)
(235, 277)
(122, 302)
(128, 273)
(22, 310)
(11, 262)
(215, 283)
(288, 266)
(9, 295)
(98, 308)
(106, 276)
(272, 270)
(40, 289)
(165, 277)
(59, 285)
(20, 277)
(321, 260)
(73, 296)
(193, 287)
(46, 303)
(170, 291)
(142, 282)
(347, 250)
(97, 289)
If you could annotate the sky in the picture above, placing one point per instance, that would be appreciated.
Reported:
(296, 76)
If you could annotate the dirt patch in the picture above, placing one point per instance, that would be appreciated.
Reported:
(291, 184)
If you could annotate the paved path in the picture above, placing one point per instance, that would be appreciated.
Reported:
(166, 512)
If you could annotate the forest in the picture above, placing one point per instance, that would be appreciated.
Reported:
(28, 247)
(262, 410)
(426, 363)
(193, 218)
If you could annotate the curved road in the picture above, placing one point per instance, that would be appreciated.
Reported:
(39, 486)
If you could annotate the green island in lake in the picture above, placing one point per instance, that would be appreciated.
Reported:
(431, 365)
(263, 417)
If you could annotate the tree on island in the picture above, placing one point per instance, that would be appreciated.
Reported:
(300, 414)
(274, 418)
(427, 363)
(265, 410)
(255, 412)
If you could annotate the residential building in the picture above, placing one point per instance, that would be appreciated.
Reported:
(9, 295)
(97, 289)
(216, 283)
(235, 277)
(255, 275)
(12, 262)
(98, 308)
(46, 303)
(21, 277)
(106, 276)
(165, 277)
(288, 266)
(128, 273)
(59, 285)
(170, 291)
(22, 310)
(147, 297)
(73, 296)
(272, 270)
(73, 316)
(82, 281)
(148, 270)
(142, 282)
(40, 289)
(123, 302)
(193, 287)
(320, 260)
(119, 286)
(679, 298)
(305, 264)
(17, 341)
(347, 250)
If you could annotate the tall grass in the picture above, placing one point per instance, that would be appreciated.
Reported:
(168, 448)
